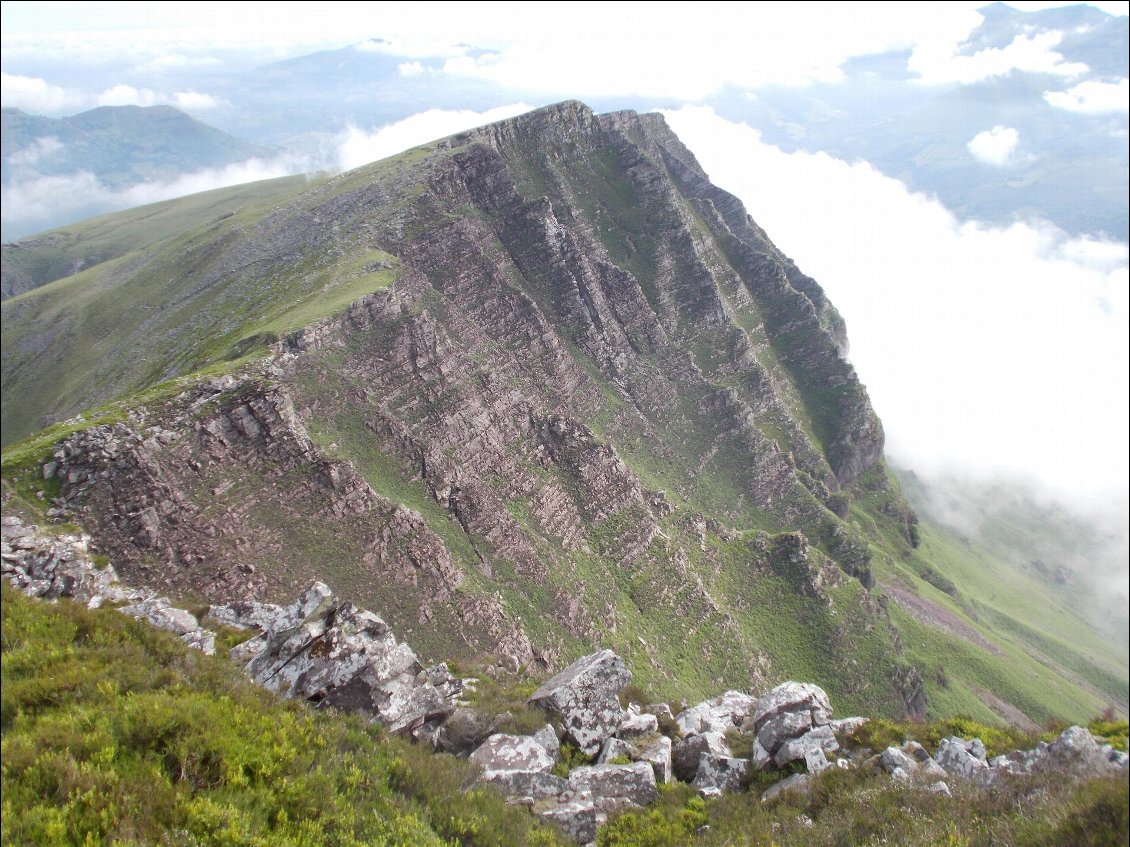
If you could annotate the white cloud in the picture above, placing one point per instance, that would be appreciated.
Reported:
(35, 201)
(985, 350)
(127, 95)
(356, 147)
(1092, 97)
(194, 100)
(410, 69)
(995, 146)
(36, 152)
(937, 62)
(38, 96)
(177, 62)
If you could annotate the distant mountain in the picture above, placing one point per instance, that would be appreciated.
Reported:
(109, 149)
(294, 102)
(121, 145)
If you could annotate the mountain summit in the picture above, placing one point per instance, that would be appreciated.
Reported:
(525, 390)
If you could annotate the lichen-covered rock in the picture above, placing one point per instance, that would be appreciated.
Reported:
(658, 755)
(719, 714)
(965, 759)
(159, 612)
(613, 787)
(547, 738)
(636, 723)
(347, 658)
(686, 754)
(577, 818)
(720, 773)
(584, 695)
(821, 739)
(502, 752)
(793, 697)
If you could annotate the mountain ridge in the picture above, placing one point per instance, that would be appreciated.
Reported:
(531, 386)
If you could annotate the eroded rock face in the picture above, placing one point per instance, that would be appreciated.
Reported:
(60, 565)
(584, 696)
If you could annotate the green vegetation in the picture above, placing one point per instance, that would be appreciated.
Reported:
(864, 807)
(115, 733)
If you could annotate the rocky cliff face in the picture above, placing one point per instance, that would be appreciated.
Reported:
(595, 404)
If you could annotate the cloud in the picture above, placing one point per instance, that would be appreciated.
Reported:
(127, 95)
(36, 95)
(409, 69)
(33, 201)
(177, 62)
(356, 147)
(194, 100)
(34, 153)
(995, 146)
(1092, 97)
(938, 63)
(985, 350)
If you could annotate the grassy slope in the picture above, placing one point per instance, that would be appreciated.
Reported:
(54, 254)
(116, 733)
(208, 291)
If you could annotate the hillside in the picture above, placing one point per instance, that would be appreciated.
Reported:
(527, 390)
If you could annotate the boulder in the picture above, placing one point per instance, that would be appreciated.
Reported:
(615, 786)
(159, 612)
(793, 697)
(720, 773)
(577, 818)
(634, 724)
(780, 728)
(686, 753)
(347, 658)
(658, 755)
(796, 749)
(547, 738)
(958, 757)
(1076, 751)
(719, 714)
(584, 695)
(502, 752)
(792, 783)
(893, 758)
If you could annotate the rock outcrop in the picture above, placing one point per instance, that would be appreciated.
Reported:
(585, 697)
